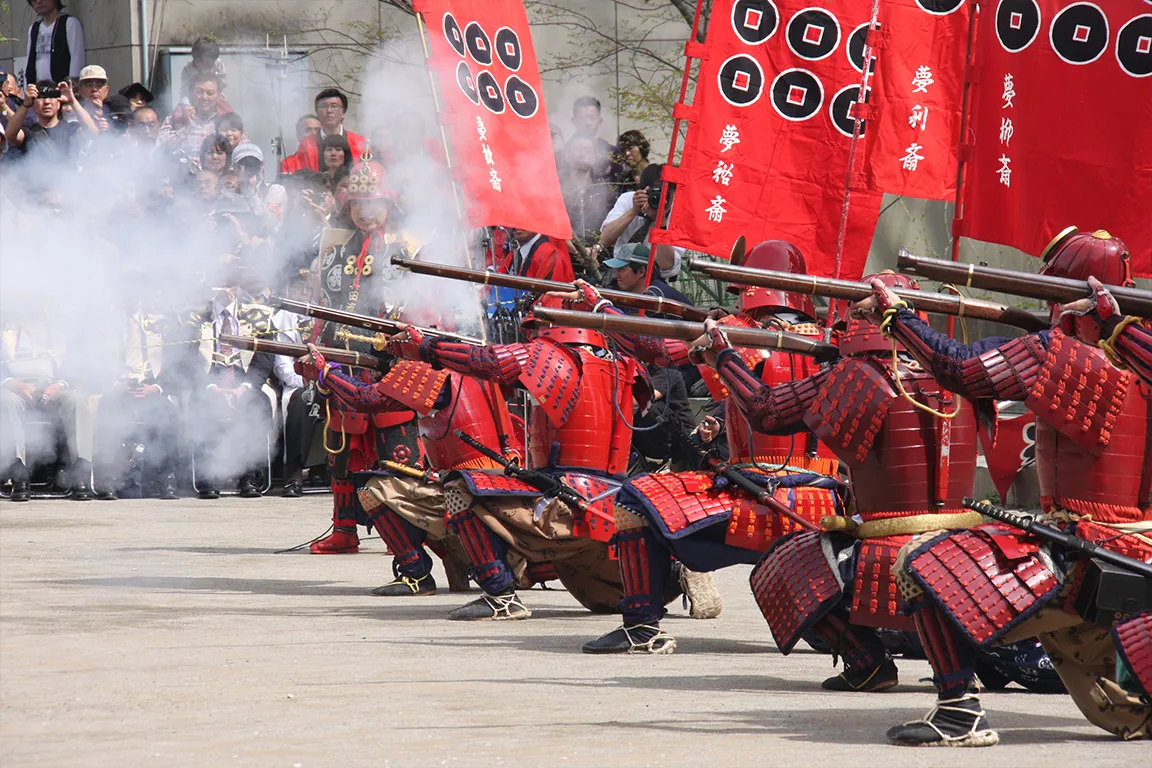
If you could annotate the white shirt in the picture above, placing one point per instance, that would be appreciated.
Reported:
(622, 206)
(526, 248)
(41, 48)
(287, 325)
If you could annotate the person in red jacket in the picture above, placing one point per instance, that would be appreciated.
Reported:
(331, 106)
(541, 258)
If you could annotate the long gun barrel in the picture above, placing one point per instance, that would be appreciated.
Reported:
(939, 303)
(378, 324)
(1060, 538)
(342, 356)
(758, 338)
(537, 286)
(1132, 301)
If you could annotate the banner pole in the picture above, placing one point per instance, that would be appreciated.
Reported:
(961, 159)
(675, 132)
(457, 194)
(868, 58)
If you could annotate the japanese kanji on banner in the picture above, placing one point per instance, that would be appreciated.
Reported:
(1060, 119)
(492, 107)
(917, 94)
(769, 133)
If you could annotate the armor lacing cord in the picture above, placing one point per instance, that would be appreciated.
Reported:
(1109, 344)
(889, 316)
(327, 428)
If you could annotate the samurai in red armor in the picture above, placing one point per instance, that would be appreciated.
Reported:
(358, 277)
(992, 584)
(407, 508)
(579, 434)
(698, 518)
(910, 449)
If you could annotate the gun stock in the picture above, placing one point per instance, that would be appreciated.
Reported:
(757, 338)
(537, 286)
(938, 303)
(342, 356)
(1062, 290)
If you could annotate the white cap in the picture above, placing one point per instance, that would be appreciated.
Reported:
(93, 72)
(247, 150)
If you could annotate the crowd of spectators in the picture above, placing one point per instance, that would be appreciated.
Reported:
(173, 404)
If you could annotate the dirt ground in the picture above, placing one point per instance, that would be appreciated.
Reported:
(139, 633)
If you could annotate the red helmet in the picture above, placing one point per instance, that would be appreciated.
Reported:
(1078, 256)
(368, 181)
(778, 256)
(861, 337)
(561, 335)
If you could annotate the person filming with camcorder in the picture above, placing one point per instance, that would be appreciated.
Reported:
(631, 219)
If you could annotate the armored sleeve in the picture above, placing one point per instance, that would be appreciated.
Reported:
(498, 363)
(666, 353)
(359, 395)
(773, 410)
(1129, 343)
(994, 368)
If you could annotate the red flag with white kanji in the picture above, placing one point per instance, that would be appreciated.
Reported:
(769, 133)
(1060, 119)
(917, 94)
(492, 109)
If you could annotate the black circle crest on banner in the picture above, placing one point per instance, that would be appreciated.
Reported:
(813, 33)
(467, 83)
(940, 7)
(1134, 46)
(741, 80)
(1079, 33)
(453, 34)
(797, 94)
(1017, 24)
(508, 48)
(754, 21)
(839, 106)
(522, 99)
(490, 94)
(854, 50)
(478, 44)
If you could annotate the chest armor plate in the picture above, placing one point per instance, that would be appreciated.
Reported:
(904, 461)
(746, 445)
(1091, 434)
(476, 408)
(591, 433)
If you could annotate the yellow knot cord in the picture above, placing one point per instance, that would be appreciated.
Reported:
(960, 314)
(908, 397)
(327, 428)
(1109, 344)
(890, 315)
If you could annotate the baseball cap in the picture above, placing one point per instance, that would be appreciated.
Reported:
(630, 254)
(244, 151)
(93, 72)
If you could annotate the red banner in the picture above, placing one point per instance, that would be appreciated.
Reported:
(492, 107)
(1015, 449)
(917, 95)
(1060, 119)
(769, 134)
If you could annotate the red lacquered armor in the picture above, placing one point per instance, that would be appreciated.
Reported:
(894, 450)
(593, 435)
(1091, 434)
(477, 408)
(774, 450)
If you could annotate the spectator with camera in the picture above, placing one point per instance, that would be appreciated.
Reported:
(632, 217)
(50, 136)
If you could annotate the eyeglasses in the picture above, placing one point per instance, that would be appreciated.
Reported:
(329, 107)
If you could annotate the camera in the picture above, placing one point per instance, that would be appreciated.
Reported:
(654, 195)
(51, 93)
